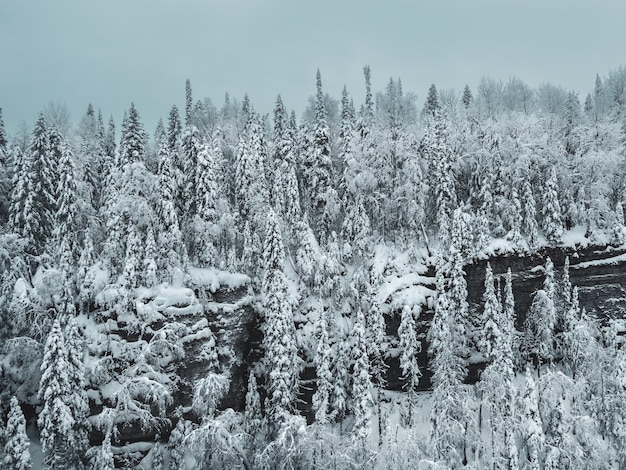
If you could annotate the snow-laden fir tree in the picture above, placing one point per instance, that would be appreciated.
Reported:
(150, 255)
(172, 251)
(251, 186)
(341, 380)
(190, 148)
(85, 277)
(467, 96)
(102, 458)
(532, 436)
(254, 424)
(76, 396)
(66, 223)
(491, 319)
(530, 227)
(281, 358)
(410, 347)
(188, 104)
(552, 221)
(323, 202)
(132, 148)
(206, 235)
(20, 218)
(16, 449)
(362, 387)
(133, 259)
(448, 414)
(174, 131)
(322, 360)
(56, 420)
(432, 102)
(356, 228)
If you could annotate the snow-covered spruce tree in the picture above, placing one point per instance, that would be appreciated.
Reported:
(16, 449)
(56, 420)
(39, 207)
(205, 232)
(174, 131)
(132, 149)
(552, 221)
(281, 358)
(76, 397)
(530, 227)
(66, 223)
(251, 186)
(431, 107)
(457, 297)
(133, 259)
(467, 97)
(491, 333)
(20, 218)
(188, 104)
(102, 457)
(191, 146)
(448, 414)
(439, 156)
(321, 397)
(254, 423)
(85, 277)
(171, 249)
(362, 387)
(355, 229)
(410, 347)
(339, 400)
(150, 254)
(323, 202)
(532, 436)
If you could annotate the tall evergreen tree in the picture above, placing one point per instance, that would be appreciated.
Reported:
(318, 172)
(321, 397)
(56, 420)
(188, 104)
(432, 102)
(282, 363)
(552, 222)
(410, 347)
(363, 402)
(16, 449)
(530, 214)
(132, 142)
(467, 96)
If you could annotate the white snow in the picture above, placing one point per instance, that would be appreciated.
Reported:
(215, 279)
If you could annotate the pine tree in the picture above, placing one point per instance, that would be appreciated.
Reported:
(174, 131)
(432, 103)
(318, 172)
(56, 420)
(363, 402)
(410, 347)
(76, 397)
(103, 457)
(552, 222)
(341, 384)
(133, 259)
(356, 229)
(84, 276)
(253, 417)
(282, 364)
(21, 196)
(491, 320)
(66, 222)
(321, 397)
(206, 206)
(171, 250)
(16, 449)
(529, 215)
(132, 148)
(149, 259)
(532, 431)
(188, 104)
(467, 97)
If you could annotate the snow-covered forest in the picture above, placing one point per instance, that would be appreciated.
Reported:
(236, 289)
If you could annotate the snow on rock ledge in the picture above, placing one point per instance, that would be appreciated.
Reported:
(214, 279)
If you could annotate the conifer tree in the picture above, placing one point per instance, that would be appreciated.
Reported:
(149, 259)
(206, 206)
(253, 417)
(84, 276)
(282, 364)
(66, 222)
(132, 148)
(341, 384)
(21, 196)
(321, 397)
(188, 104)
(531, 428)
(552, 222)
(432, 102)
(491, 320)
(318, 172)
(56, 419)
(133, 259)
(467, 97)
(16, 449)
(363, 402)
(410, 347)
(171, 249)
(76, 397)
(530, 214)
(103, 457)
(174, 131)
(355, 229)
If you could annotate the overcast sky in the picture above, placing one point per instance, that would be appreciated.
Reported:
(113, 52)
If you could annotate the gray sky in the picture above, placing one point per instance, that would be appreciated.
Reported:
(113, 52)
